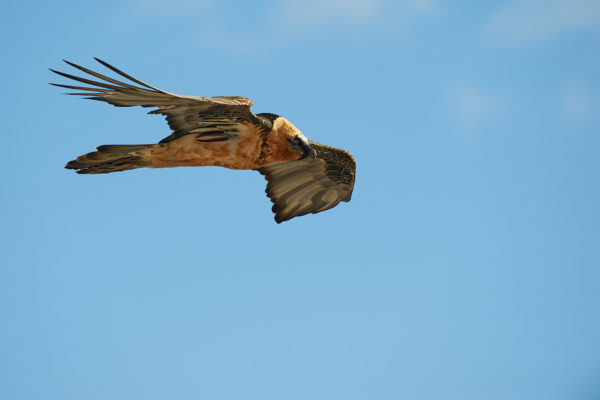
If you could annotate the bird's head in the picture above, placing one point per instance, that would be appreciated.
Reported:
(286, 142)
(300, 144)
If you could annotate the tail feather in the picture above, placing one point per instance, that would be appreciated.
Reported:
(110, 158)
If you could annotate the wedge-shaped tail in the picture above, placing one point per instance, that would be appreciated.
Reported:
(110, 158)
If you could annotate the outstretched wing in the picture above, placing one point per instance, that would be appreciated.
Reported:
(308, 185)
(211, 118)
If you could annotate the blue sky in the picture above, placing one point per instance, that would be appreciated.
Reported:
(466, 266)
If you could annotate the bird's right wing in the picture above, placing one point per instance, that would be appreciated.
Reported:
(211, 118)
(308, 185)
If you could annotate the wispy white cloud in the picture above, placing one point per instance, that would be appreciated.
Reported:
(475, 106)
(312, 14)
(528, 21)
(172, 8)
(216, 35)
(577, 102)
(283, 21)
(293, 18)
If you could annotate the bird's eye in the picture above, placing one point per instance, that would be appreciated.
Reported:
(297, 141)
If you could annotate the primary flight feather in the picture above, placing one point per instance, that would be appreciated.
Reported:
(303, 176)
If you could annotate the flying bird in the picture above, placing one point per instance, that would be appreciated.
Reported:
(302, 176)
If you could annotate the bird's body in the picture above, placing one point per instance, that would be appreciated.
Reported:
(186, 151)
(250, 149)
(304, 176)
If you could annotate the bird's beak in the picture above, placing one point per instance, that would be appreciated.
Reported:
(308, 151)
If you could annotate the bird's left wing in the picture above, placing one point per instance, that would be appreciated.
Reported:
(211, 118)
(310, 185)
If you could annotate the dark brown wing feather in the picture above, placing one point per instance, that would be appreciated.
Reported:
(215, 118)
(308, 185)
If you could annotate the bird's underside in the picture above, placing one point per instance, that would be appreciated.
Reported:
(303, 176)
